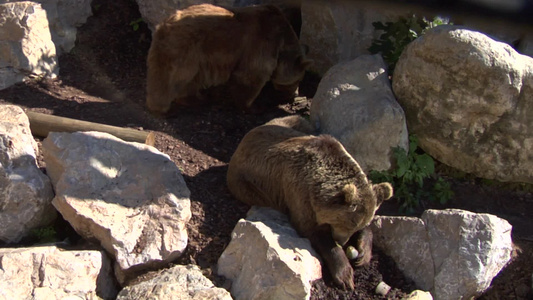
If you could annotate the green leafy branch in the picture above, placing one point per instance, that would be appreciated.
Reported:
(397, 35)
(135, 24)
(409, 178)
(44, 234)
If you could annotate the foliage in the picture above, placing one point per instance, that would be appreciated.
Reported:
(44, 234)
(136, 23)
(409, 178)
(397, 35)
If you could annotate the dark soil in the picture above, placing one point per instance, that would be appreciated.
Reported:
(103, 80)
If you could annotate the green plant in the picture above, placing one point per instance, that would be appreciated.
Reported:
(396, 36)
(410, 178)
(136, 23)
(44, 234)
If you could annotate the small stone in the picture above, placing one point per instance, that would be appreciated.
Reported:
(352, 253)
(419, 295)
(382, 288)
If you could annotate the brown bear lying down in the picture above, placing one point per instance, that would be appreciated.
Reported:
(315, 181)
(206, 52)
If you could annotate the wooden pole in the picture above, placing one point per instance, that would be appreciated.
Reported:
(42, 124)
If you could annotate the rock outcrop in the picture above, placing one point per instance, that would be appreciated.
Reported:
(468, 98)
(64, 18)
(178, 282)
(25, 192)
(340, 31)
(26, 47)
(452, 253)
(355, 104)
(266, 259)
(48, 272)
(129, 197)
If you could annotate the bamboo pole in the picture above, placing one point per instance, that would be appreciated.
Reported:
(42, 124)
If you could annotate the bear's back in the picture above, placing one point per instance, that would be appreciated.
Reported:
(289, 163)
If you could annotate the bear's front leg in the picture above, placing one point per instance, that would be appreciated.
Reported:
(243, 89)
(334, 257)
(363, 244)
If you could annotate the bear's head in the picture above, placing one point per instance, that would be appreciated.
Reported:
(289, 71)
(352, 208)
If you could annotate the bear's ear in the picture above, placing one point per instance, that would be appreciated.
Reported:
(383, 192)
(350, 193)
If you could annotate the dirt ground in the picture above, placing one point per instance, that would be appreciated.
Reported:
(103, 80)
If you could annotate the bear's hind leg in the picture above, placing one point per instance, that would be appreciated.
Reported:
(245, 191)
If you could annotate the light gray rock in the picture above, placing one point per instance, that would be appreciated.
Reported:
(179, 282)
(405, 240)
(468, 251)
(154, 12)
(468, 99)
(338, 31)
(25, 192)
(43, 273)
(266, 259)
(418, 295)
(64, 17)
(453, 253)
(355, 104)
(26, 47)
(128, 196)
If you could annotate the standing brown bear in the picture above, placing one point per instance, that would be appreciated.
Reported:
(315, 182)
(206, 51)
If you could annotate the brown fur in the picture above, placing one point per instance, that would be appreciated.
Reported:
(311, 178)
(206, 51)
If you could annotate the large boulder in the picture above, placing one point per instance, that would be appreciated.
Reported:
(339, 31)
(64, 17)
(453, 253)
(468, 98)
(47, 272)
(267, 259)
(178, 282)
(355, 104)
(128, 196)
(26, 47)
(25, 192)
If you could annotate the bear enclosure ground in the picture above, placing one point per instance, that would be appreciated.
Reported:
(103, 80)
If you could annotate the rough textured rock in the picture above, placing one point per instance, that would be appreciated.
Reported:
(179, 282)
(25, 192)
(419, 295)
(405, 240)
(64, 17)
(468, 250)
(354, 103)
(338, 31)
(468, 99)
(154, 12)
(128, 196)
(266, 259)
(453, 253)
(50, 273)
(26, 47)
